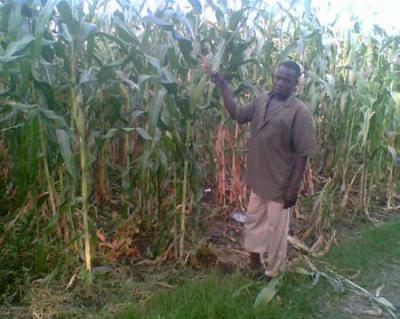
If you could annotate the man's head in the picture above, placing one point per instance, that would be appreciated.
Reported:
(286, 78)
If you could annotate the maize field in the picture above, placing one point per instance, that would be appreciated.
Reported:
(115, 143)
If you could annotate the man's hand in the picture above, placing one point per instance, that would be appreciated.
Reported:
(290, 199)
(227, 93)
(218, 79)
(294, 182)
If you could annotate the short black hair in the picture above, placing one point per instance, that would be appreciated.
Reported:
(293, 66)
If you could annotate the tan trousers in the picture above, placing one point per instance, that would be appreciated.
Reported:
(266, 230)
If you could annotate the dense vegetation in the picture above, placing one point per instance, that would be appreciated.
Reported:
(111, 129)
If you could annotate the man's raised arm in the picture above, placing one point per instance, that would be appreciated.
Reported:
(243, 114)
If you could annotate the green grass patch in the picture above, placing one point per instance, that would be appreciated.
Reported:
(216, 296)
(370, 251)
(230, 296)
(166, 292)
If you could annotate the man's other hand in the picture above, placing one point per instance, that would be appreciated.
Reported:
(218, 79)
(290, 199)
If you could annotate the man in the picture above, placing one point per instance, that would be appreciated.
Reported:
(280, 141)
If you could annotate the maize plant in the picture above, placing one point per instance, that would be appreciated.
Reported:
(109, 118)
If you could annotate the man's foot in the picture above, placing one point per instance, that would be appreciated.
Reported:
(258, 274)
(255, 268)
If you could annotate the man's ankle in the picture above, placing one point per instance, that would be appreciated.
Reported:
(255, 260)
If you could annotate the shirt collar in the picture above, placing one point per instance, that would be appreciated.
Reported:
(286, 102)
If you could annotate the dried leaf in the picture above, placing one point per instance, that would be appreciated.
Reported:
(72, 280)
(297, 244)
(374, 311)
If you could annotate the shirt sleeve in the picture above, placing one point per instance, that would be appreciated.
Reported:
(303, 133)
(244, 113)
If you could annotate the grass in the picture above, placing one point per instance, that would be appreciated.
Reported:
(231, 296)
(150, 292)
(368, 252)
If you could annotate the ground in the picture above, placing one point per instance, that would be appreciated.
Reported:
(212, 285)
(373, 255)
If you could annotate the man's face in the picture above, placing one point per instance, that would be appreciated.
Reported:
(285, 82)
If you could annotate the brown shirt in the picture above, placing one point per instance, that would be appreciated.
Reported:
(277, 137)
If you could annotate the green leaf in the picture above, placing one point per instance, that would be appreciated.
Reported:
(307, 7)
(136, 114)
(143, 134)
(122, 44)
(90, 48)
(64, 143)
(125, 32)
(217, 59)
(159, 22)
(110, 133)
(154, 111)
(10, 54)
(14, 18)
(87, 76)
(9, 117)
(196, 5)
(392, 152)
(168, 81)
(144, 78)
(105, 73)
(42, 21)
(122, 61)
(86, 31)
(219, 13)
(236, 18)
(48, 92)
(154, 62)
(287, 50)
(5, 14)
(268, 293)
(66, 14)
(25, 69)
(186, 47)
(58, 120)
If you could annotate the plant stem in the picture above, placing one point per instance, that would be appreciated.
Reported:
(184, 195)
(79, 120)
(50, 185)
